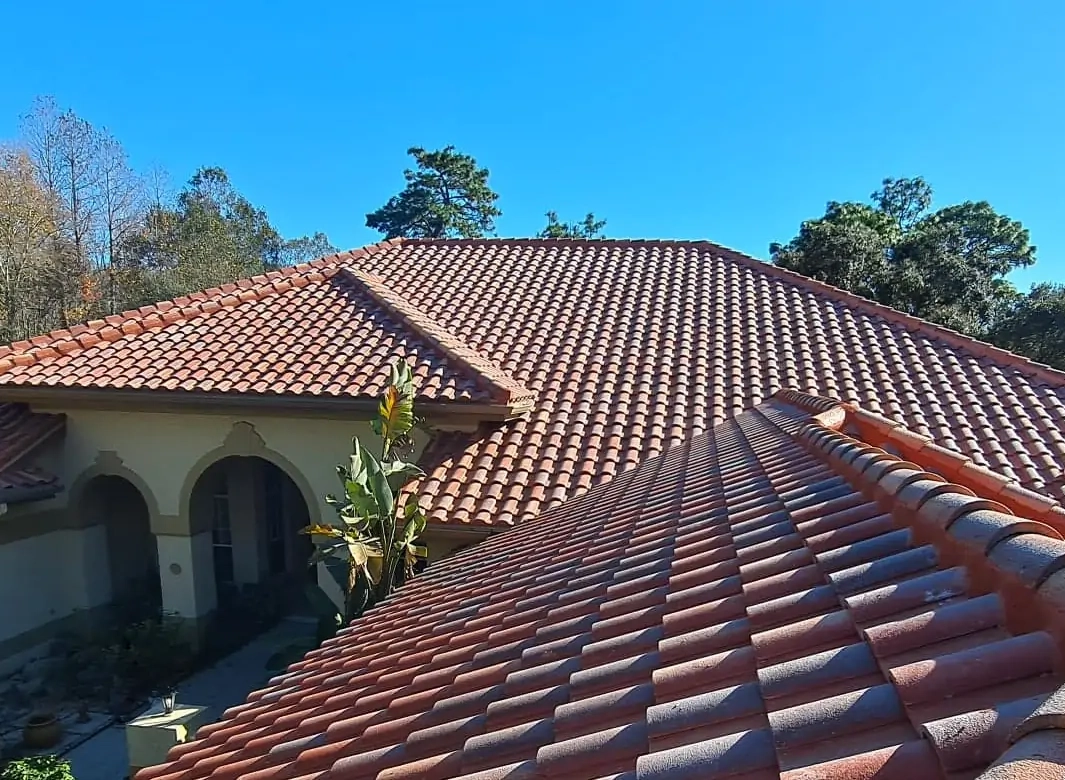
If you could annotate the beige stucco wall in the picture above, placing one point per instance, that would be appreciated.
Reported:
(166, 453)
(162, 454)
(46, 578)
(162, 449)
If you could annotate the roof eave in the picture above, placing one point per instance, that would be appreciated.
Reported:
(22, 494)
(449, 412)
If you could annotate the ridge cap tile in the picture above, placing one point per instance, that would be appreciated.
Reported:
(619, 663)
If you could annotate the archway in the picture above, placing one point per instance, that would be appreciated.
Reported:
(132, 557)
(254, 511)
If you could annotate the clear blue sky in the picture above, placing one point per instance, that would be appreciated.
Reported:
(728, 121)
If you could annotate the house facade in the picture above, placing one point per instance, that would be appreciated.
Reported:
(184, 444)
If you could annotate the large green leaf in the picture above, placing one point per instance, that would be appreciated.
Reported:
(357, 472)
(400, 472)
(414, 520)
(396, 414)
(361, 550)
(377, 483)
(326, 551)
(401, 378)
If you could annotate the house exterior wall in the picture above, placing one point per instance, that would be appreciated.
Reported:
(57, 559)
(49, 580)
(167, 451)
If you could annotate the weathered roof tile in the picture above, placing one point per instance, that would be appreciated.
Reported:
(622, 651)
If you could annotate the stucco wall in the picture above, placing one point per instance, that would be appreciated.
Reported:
(162, 449)
(162, 454)
(46, 578)
(165, 454)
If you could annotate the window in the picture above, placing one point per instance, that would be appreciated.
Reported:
(222, 537)
(275, 521)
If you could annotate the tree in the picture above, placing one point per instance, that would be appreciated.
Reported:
(28, 245)
(64, 149)
(301, 250)
(211, 235)
(447, 196)
(947, 266)
(122, 195)
(589, 228)
(1034, 325)
(370, 552)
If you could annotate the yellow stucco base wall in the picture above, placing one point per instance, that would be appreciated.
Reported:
(169, 451)
(163, 454)
(48, 578)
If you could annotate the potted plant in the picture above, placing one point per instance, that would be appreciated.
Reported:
(42, 730)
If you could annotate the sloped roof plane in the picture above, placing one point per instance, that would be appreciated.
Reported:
(320, 330)
(773, 599)
(633, 346)
(22, 433)
(599, 353)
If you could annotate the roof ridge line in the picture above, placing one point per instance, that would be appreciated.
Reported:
(878, 431)
(180, 309)
(980, 349)
(997, 546)
(504, 387)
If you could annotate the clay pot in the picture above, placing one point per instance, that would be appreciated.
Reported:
(42, 731)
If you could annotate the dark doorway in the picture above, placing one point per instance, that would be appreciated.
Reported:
(132, 556)
(254, 511)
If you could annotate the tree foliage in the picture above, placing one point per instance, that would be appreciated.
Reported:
(447, 196)
(947, 266)
(1034, 325)
(368, 550)
(588, 228)
(82, 234)
(45, 767)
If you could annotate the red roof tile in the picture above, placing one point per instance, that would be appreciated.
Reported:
(323, 329)
(22, 432)
(773, 599)
(629, 347)
(633, 346)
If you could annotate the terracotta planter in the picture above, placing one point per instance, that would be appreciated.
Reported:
(42, 731)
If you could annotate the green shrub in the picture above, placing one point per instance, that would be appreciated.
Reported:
(37, 768)
(131, 661)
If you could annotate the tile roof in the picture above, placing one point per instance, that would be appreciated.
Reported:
(633, 346)
(620, 349)
(773, 599)
(320, 329)
(22, 432)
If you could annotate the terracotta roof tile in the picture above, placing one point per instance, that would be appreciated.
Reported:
(758, 602)
(637, 345)
(619, 348)
(22, 432)
(323, 329)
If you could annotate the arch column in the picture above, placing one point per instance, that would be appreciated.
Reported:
(187, 552)
(105, 513)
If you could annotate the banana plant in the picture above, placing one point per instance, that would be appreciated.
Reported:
(368, 550)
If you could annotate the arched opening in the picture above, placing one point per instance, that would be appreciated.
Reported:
(132, 557)
(254, 511)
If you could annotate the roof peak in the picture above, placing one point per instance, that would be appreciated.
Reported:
(981, 349)
(496, 387)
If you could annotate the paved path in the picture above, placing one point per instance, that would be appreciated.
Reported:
(224, 685)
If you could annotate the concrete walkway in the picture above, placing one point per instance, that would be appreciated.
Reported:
(224, 685)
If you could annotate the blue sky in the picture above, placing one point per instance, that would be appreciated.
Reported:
(728, 121)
